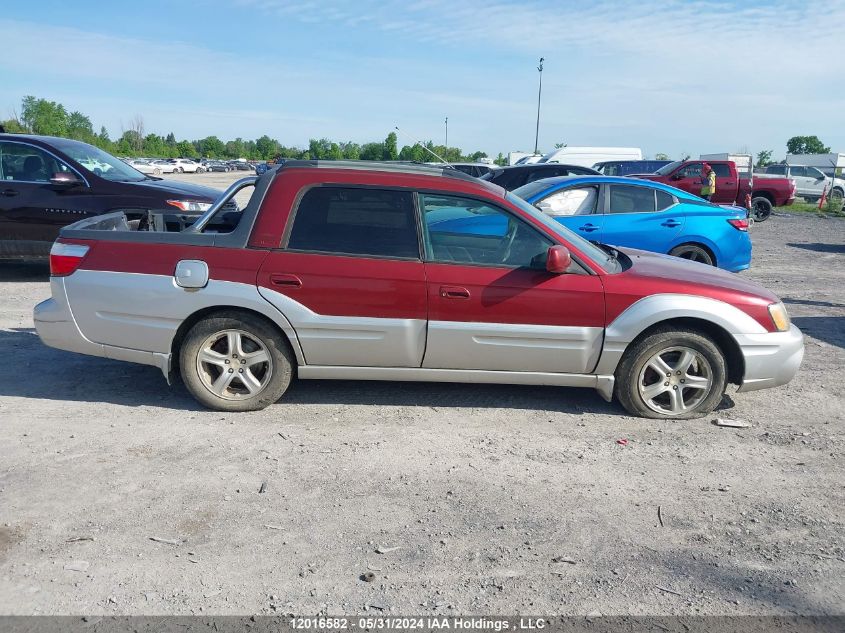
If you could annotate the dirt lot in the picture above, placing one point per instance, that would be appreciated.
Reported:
(482, 499)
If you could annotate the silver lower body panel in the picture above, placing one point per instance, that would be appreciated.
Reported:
(771, 359)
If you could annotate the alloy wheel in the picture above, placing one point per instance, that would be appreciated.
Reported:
(675, 380)
(234, 364)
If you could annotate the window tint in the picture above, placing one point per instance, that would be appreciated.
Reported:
(776, 169)
(797, 171)
(27, 163)
(664, 200)
(466, 231)
(356, 221)
(629, 199)
(812, 172)
(722, 170)
(577, 201)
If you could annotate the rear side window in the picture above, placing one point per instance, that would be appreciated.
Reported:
(353, 221)
(776, 169)
(664, 200)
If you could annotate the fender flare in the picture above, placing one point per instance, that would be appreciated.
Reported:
(654, 309)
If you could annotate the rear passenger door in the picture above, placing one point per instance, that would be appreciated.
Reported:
(727, 185)
(350, 279)
(640, 217)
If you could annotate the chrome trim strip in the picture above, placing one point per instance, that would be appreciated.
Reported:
(206, 217)
(44, 149)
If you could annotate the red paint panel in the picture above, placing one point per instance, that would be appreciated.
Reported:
(224, 264)
(348, 286)
(517, 296)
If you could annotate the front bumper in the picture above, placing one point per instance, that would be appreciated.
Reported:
(771, 359)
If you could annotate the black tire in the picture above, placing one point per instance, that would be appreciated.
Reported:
(235, 396)
(695, 253)
(761, 209)
(632, 371)
(836, 192)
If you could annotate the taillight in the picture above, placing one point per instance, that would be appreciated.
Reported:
(66, 258)
(739, 224)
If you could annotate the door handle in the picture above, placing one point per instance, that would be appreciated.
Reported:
(286, 281)
(671, 223)
(588, 228)
(10, 193)
(454, 292)
(729, 183)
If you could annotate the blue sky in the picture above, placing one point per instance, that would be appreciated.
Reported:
(664, 75)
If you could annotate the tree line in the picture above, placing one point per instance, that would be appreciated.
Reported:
(49, 118)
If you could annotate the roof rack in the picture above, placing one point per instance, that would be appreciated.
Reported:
(374, 165)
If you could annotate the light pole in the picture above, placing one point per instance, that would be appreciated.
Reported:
(447, 132)
(539, 94)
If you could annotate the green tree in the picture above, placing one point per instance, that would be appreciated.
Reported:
(186, 149)
(391, 152)
(40, 116)
(476, 156)
(13, 126)
(212, 147)
(661, 156)
(236, 148)
(372, 151)
(806, 145)
(350, 150)
(266, 147)
(501, 160)
(764, 157)
(79, 127)
(171, 140)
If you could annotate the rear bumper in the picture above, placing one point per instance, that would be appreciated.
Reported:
(771, 359)
(57, 328)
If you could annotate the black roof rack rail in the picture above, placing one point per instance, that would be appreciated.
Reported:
(373, 165)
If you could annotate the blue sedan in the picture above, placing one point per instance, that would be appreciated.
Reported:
(646, 215)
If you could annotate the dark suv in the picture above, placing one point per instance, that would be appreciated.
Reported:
(49, 182)
(513, 177)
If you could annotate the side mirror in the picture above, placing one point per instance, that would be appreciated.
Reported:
(65, 180)
(558, 259)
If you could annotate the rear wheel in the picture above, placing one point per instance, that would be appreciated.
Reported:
(235, 362)
(761, 208)
(157, 171)
(671, 373)
(693, 252)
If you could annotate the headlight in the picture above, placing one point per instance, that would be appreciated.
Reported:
(780, 317)
(190, 205)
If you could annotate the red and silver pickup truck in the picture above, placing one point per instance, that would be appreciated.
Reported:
(731, 186)
(355, 270)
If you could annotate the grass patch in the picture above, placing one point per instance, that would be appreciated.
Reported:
(833, 207)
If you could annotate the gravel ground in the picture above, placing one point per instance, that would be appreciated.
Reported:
(458, 498)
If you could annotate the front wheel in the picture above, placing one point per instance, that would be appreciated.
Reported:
(693, 252)
(761, 208)
(235, 362)
(157, 171)
(671, 373)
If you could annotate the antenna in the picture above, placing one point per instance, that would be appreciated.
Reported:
(421, 144)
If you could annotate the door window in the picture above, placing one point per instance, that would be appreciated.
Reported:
(691, 171)
(577, 201)
(812, 172)
(798, 172)
(467, 231)
(356, 221)
(631, 199)
(722, 170)
(27, 163)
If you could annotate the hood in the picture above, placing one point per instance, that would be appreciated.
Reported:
(677, 271)
(184, 189)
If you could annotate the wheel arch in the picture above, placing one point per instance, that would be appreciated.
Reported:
(208, 311)
(715, 318)
(700, 241)
(768, 195)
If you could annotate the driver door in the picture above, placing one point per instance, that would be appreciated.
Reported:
(492, 304)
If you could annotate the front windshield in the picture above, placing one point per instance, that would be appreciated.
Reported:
(99, 162)
(596, 254)
(668, 169)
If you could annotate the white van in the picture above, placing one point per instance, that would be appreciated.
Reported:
(589, 156)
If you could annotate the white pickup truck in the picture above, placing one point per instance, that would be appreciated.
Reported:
(810, 181)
